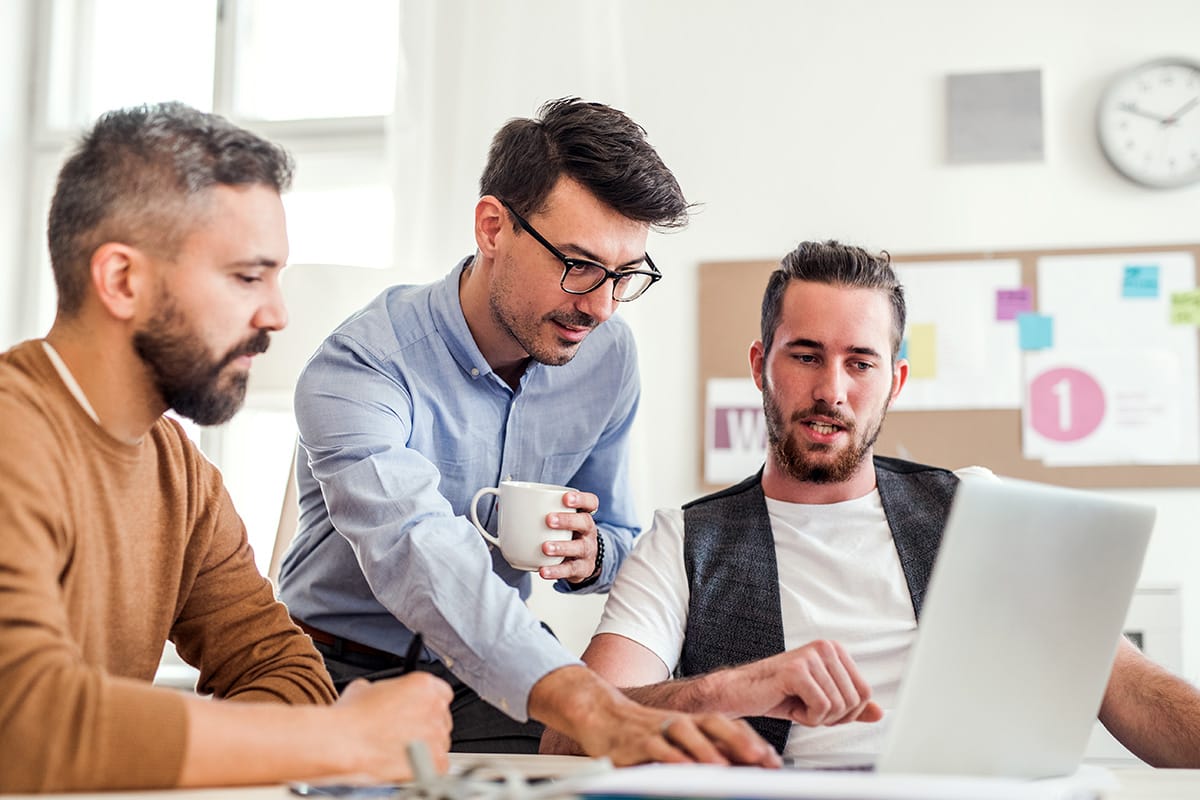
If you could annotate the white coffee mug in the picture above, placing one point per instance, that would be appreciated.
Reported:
(523, 507)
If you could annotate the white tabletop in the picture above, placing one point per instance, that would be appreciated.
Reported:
(1135, 783)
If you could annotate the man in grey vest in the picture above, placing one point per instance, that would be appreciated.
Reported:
(792, 599)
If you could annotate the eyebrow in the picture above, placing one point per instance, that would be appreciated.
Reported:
(813, 344)
(590, 256)
(261, 261)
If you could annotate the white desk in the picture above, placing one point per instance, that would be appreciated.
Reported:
(1144, 783)
(1137, 783)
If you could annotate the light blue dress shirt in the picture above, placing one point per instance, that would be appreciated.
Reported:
(401, 421)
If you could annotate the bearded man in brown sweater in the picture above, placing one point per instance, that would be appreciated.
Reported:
(166, 238)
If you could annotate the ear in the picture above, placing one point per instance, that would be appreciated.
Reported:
(490, 218)
(119, 277)
(757, 362)
(899, 378)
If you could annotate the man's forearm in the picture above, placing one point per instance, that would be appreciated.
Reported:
(704, 693)
(1152, 712)
(287, 743)
(365, 735)
(571, 699)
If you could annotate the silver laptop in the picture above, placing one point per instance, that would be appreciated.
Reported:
(1019, 630)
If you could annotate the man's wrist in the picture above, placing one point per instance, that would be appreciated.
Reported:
(719, 690)
(595, 576)
(573, 699)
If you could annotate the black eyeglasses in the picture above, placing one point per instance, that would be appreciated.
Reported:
(581, 276)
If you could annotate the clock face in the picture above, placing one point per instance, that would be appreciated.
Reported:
(1149, 123)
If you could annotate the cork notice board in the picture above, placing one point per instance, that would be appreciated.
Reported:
(730, 303)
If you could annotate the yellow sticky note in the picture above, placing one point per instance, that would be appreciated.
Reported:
(1185, 308)
(922, 350)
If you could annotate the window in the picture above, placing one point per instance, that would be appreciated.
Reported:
(266, 60)
(309, 59)
(316, 77)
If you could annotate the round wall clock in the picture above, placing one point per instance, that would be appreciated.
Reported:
(1149, 123)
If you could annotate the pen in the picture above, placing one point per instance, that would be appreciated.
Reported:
(343, 790)
(412, 656)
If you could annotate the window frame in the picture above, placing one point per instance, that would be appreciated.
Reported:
(48, 144)
(366, 137)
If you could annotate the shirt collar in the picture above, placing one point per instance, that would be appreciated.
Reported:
(72, 385)
(448, 318)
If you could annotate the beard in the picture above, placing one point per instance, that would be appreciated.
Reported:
(529, 332)
(188, 378)
(798, 459)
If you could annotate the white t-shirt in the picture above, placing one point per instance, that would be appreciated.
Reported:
(840, 579)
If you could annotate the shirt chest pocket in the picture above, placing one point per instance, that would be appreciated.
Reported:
(561, 467)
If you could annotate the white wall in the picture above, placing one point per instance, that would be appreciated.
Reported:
(15, 59)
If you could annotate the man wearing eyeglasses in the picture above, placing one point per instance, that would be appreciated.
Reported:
(512, 367)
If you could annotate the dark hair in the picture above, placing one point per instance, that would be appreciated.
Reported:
(141, 176)
(838, 265)
(597, 146)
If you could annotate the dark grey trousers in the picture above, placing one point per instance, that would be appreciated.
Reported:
(479, 727)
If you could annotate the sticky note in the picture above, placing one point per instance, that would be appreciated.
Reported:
(1141, 280)
(1036, 331)
(922, 350)
(1010, 302)
(1185, 308)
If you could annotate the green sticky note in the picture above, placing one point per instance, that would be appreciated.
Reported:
(1185, 308)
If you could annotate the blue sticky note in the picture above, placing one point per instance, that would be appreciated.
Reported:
(1036, 331)
(903, 348)
(1141, 280)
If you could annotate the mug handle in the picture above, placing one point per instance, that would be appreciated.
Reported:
(475, 515)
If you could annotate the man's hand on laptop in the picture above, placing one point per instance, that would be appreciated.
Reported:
(639, 733)
(604, 722)
(815, 684)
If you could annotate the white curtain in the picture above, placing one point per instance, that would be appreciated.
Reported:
(467, 66)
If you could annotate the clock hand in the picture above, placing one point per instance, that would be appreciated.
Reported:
(1133, 109)
(1185, 108)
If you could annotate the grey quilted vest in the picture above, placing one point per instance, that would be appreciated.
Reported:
(729, 554)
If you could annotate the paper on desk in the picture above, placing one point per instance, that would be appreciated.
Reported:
(749, 783)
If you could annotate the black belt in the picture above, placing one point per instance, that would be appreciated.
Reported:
(409, 662)
(341, 645)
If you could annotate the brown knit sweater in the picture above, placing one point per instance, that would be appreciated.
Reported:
(107, 550)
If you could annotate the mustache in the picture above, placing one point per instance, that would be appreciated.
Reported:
(821, 409)
(575, 319)
(255, 344)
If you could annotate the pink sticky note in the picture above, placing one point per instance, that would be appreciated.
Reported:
(1010, 302)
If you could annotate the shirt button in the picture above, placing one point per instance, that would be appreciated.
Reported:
(448, 661)
(474, 372)
(503, 704)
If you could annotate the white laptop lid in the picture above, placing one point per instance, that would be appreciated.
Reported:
(1018, 632)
